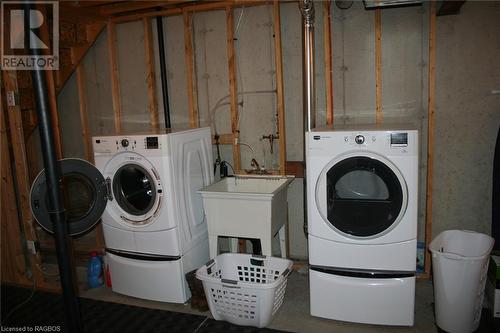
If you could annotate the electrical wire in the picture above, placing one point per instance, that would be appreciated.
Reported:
(247, 145)
(234, 173)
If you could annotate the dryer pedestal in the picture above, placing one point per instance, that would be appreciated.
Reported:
(387, 301)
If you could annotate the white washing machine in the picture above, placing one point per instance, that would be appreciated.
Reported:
(362, 192)
(154, 225)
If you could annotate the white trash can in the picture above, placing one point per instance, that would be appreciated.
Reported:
(460, 264)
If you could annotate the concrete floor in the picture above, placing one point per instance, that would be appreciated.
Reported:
(294, 314)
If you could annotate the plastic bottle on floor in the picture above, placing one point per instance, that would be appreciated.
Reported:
(94, 271)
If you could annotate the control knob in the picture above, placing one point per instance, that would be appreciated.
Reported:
(124, 143)
(359, 139)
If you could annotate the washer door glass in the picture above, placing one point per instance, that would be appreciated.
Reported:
(364, 197)
(84, 192)
(134, 189)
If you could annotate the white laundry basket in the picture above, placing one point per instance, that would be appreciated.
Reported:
(460, 264)
(245, 289)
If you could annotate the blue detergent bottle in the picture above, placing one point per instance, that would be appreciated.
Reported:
(94, 271)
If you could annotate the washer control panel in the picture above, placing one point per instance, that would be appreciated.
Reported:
(359, 139)
(115, 144)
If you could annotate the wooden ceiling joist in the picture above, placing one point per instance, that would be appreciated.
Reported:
(199, 6)
(131, 6)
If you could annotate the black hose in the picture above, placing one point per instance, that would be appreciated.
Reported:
(55, 199)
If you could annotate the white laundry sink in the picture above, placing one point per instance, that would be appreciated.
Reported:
(247, 207)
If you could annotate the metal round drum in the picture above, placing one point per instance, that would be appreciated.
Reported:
(84, 193)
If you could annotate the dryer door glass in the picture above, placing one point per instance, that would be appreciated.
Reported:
(364, 196)
(134, 189)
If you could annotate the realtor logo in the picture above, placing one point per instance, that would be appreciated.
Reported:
(30, 37)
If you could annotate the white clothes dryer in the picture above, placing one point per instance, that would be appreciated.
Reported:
(362, 197)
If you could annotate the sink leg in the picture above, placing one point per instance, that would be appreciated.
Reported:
(282, 235)
(265, 243)
(233, 245)
(213, 246)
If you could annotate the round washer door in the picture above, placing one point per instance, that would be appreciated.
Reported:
(84, 194)
(361, 195)
(136, 188)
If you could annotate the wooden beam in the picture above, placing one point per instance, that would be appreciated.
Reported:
(86, 136)
(77, 53)
(278, 59)
(22, 172)
(190, 77)
(327, 33)
(115, 77)
(131, 6)
(378, 67)
(430, 133)
(233, 88)
(224, 139)
(13, 268)
(198, 7)
(151, 77)
(140, 16)
(82, 97)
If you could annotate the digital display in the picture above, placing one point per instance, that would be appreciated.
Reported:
(152, 142)
(399, 139)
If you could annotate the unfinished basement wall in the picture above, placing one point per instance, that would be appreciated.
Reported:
(467, 116)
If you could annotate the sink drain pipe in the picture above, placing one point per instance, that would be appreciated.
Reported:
(163, 70)
(309, 96)
(55, 201)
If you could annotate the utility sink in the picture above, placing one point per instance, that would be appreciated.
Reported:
(247, 207)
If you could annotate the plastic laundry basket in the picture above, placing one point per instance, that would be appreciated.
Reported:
(245, 289)
(460, 264)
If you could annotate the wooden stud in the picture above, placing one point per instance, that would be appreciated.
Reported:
(190, 77)
(22, 173)
(151, 78)
(12, 258)
(278, 58)
(86, 137)
(378, 66)
(115, 77)
(327, 33)
(430, 133)
(233, 88)
(82, 97)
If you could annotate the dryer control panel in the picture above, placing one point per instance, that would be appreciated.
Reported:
(399, 142)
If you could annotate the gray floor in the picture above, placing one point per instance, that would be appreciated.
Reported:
(294, 315)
